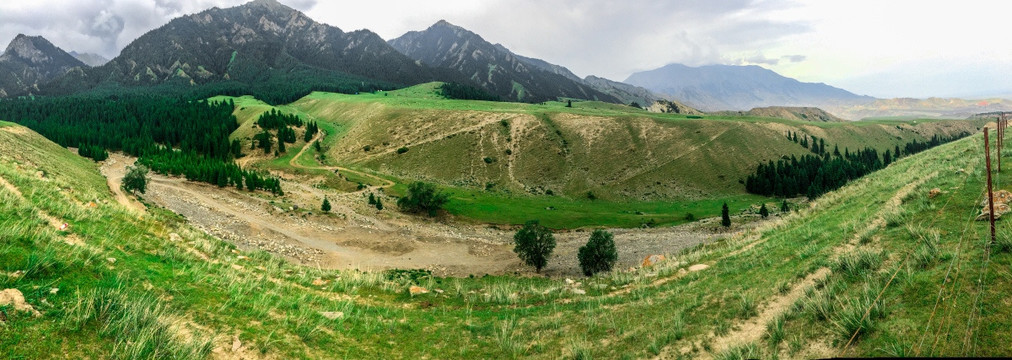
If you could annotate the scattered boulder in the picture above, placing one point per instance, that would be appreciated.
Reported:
(650, 260)
(417, 290)
(173, 237)
(999, 210)
(111, 260)
(698, 267)
(15, 299)
(320, 282)
(1002, 198)
(332, 315)
(934, 192)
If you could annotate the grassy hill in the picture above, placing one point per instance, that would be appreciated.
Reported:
(509, 162)
(115, 284)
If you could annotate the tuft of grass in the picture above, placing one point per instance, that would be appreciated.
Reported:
(775, 331)
(741, 352)
(747, 306)
(137, 326)
(858, 263)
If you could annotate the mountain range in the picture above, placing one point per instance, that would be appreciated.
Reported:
(278, 54)
(728, 87)
(491, 67)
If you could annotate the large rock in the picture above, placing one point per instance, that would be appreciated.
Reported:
(1001, 205)
(650, 260)
(15, 299)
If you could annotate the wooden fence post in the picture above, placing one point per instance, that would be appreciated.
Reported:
(990, 194)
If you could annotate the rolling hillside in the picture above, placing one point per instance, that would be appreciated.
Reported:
(614, 151)
(121, 285)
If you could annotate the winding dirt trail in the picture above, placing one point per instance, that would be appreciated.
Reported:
(294, 162)
(114, 169)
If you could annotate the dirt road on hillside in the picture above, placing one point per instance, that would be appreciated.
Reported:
(114, 169)
(354, 235)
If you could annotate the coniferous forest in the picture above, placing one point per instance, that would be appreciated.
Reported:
(822, 171)
(169, 135)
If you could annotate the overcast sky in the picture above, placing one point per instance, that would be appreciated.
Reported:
(883, 48)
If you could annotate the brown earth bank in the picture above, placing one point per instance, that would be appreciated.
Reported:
(354, 235)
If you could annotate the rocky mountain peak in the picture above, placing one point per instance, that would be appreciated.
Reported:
(27, 48)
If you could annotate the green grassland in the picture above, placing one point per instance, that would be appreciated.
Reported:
(509, 162)
(171, 291)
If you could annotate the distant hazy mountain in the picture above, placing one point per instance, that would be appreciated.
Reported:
(625, 92)
(29, 61)
(492, 67)
(256, 42)
(90, 59)
(726, 87)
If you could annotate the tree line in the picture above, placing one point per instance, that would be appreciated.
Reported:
(457, 91)
(815, 174)
(169, 135)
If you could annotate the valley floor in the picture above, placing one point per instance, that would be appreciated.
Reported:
(355, 235)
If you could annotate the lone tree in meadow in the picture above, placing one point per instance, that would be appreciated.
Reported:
(326, 205)
(784, 207)
(534, 244)
(599, 254)
(423, 198)
(763, 211)
(136, 179)
(725, 216)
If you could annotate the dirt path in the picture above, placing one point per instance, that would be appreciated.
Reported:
(114, 168)
(294, 162)
(752, 329)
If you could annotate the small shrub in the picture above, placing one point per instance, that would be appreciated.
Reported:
(690, 217)
(598, 254)
(591, 195)
(367, 148)
(402, 149)
(423, 198)
(489, 160)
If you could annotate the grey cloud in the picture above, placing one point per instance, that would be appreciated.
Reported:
(102, 26)
(613, 39)
(762, 60)
(794, 58)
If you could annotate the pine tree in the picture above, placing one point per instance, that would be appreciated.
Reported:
(763, 211)
(372, 199)
(725, 216)
(326, 205)
(379, 204)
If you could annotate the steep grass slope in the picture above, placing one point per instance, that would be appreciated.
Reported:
(121, 286)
